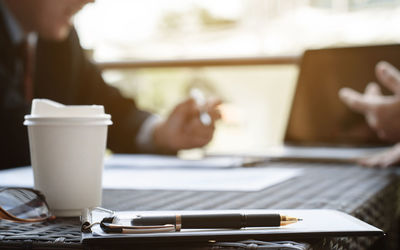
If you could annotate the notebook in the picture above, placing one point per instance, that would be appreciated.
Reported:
(320, 125)
(316, 223)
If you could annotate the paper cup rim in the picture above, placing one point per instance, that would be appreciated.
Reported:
(94, 117)
(67, 121)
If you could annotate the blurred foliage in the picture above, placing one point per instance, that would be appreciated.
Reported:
(207, 19)
(175, 21)
(171, 21)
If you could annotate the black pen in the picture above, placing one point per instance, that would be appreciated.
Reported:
(230, 220)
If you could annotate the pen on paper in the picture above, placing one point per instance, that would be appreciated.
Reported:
(215, 221)
(200, 100)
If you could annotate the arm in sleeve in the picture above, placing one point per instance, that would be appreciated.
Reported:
(66, 75)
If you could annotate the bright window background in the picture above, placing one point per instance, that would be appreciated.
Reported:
(257, 99)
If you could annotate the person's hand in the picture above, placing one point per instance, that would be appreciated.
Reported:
(383, 159)
(381, 112)
(183, 128)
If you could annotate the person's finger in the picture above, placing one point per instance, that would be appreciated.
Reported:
(389, 76)
(367, 162)
(354, 100)
(372, 121)
(196, 128)
(373, 89)
(373, 161)
(387, 159)
(215, 114)
(199, 142)
(382, 134)
(383, 159)
(193, 141)
(212, 108)
(386, 163)
(183, 111)
(188, 107)
(393, 156)
(213, 103)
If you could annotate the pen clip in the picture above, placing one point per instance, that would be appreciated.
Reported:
(108, 226)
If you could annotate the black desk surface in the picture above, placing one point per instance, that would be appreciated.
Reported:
(368, 194)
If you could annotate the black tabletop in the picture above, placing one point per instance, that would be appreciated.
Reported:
(368, 194)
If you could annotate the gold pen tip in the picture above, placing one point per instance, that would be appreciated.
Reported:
(288, 218)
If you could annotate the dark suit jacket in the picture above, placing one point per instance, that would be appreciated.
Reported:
(65, 75)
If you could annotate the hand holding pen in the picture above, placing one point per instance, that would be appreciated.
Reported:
(190, 125)
(201, 102)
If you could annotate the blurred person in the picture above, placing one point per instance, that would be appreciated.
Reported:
(381, 112)
(54, 66)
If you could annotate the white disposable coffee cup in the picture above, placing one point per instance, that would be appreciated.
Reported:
(67, 154)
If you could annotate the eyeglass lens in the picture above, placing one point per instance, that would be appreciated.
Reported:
(23, 203)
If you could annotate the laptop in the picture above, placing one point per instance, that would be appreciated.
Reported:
(320, 126)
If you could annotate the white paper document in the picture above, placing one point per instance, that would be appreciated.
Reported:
(170, 178)
(16, 177)
(162, 161)
(335, 223)
(231, 179)
(321, 153)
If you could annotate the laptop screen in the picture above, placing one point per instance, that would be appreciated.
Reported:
(317, 116)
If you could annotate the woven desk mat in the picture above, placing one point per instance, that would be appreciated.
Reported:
(368, 194)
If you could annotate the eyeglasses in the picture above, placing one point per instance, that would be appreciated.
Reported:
(23, 205)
